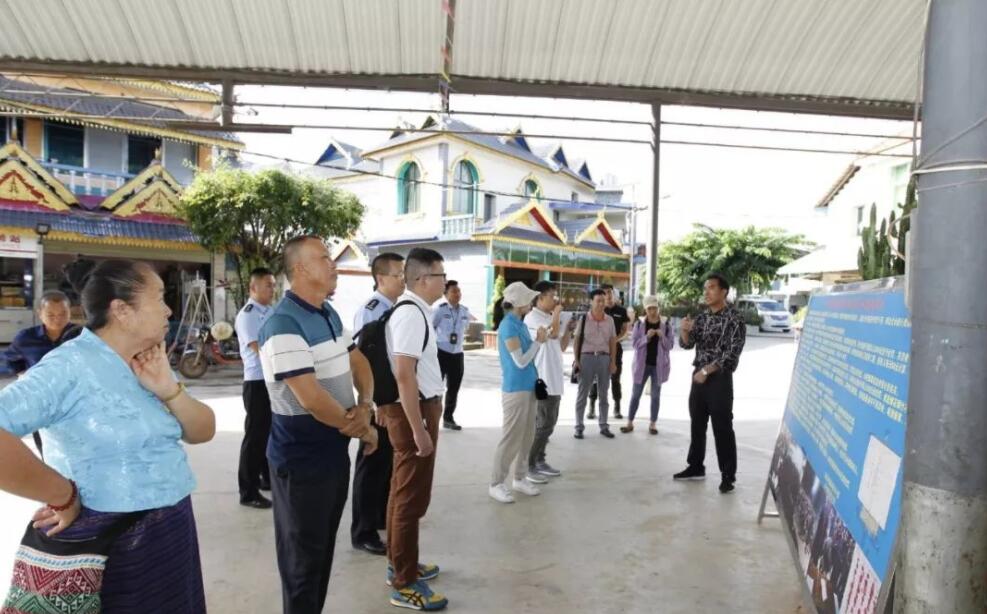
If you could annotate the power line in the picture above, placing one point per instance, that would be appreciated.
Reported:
(787, 130)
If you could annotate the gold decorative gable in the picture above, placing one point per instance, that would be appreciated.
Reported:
(154, 190)
(22, 179)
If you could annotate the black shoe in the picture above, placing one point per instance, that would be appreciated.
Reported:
(451, 425)
(606, 433)
(726, 486)
(376, 547)
(691, 473)
(591, 415)
(265, 485)
(579, 434)
(617, 414)
(258, 502)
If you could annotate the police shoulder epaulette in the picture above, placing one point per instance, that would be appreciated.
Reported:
(373, 303)
(248, 308)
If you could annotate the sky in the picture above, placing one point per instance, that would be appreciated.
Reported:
(716, 186)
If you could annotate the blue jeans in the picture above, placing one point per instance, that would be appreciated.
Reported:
(652, 374)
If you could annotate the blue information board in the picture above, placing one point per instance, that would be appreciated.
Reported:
(836, 474)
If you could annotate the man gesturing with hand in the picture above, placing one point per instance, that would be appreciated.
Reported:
(310, 367)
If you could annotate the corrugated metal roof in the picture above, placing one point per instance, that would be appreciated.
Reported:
(10, 91)
(831, 50)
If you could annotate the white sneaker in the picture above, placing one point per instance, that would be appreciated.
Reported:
(526, 488)
(501, 493)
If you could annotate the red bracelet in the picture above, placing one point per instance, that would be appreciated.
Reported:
(71, 501)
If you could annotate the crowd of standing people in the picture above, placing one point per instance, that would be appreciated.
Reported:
(113, 416)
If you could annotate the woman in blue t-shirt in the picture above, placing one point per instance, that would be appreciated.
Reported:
(517, 354)
(114, 418)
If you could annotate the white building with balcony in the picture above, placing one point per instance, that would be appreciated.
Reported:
(493, 206)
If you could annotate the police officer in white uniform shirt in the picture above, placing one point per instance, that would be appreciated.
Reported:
(254, 474)
(372, 476)
(451, 318)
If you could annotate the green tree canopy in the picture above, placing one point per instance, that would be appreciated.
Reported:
(749, 258)
(250, 216)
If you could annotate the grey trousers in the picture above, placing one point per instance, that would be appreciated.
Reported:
(519, 433)
(593, 369)
(548, 415)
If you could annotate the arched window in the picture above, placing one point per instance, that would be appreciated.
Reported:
(532, 189)
(467, 182)
(408, 189)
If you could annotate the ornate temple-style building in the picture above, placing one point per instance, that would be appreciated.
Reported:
(100, 181)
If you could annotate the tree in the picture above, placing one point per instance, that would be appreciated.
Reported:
(494, 313)
(250, 216)
(749, 258)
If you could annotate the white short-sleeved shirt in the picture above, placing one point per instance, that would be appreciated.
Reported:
(548, 360)
(405, 336)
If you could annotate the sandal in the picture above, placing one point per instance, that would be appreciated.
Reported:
(627, 429)
(653, 429)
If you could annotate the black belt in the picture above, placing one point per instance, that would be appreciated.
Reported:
(596, 353)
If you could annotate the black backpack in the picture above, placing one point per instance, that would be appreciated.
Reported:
(373, 344)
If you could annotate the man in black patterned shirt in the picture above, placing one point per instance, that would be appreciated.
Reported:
(718, 336)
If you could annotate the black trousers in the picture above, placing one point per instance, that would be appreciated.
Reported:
(713, 401)
(615, 390)
(308, 506)
(371, 487)
(452, 366)
(256, 431)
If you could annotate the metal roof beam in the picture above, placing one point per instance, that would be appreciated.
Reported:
(482, 86)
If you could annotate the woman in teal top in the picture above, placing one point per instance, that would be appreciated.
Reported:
(114, 417)
(517, 353)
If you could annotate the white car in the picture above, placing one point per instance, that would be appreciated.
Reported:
(776, 317)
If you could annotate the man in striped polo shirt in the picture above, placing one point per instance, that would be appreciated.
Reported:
(310, 366)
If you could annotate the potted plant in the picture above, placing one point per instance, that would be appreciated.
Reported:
(753, 320)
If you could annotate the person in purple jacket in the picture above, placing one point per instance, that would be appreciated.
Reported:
(652, 340)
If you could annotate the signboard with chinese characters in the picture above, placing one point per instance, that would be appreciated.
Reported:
(18, 244)
(837, 470)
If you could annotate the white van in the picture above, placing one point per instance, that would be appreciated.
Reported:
(774, 315)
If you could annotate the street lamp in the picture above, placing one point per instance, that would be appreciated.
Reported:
(42, 228)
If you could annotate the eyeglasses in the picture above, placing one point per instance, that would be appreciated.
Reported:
(398, 275)
(442, 275)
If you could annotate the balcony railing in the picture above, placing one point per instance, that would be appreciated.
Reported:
(87, 181)
(458, 226)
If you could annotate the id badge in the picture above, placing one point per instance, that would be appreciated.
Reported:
(453, 338)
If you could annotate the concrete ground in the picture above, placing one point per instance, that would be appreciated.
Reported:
(615, 534)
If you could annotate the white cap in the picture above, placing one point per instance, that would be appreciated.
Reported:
(650, 301)
(518, 294)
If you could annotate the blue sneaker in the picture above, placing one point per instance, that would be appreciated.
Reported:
(419, 596)
(425, 572)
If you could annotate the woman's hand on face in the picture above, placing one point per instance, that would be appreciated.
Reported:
(58, 521)
(154, 372)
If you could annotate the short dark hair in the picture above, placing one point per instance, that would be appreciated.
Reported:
(419, 262)
(606, 287)
(101, 284)
(720, 279)
(261, 271)
(452, 283)
(291, 249)
(54, 296)
(380, 262)
(544, 286)
(597, 292)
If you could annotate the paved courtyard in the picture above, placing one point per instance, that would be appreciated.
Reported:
(615, 534)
